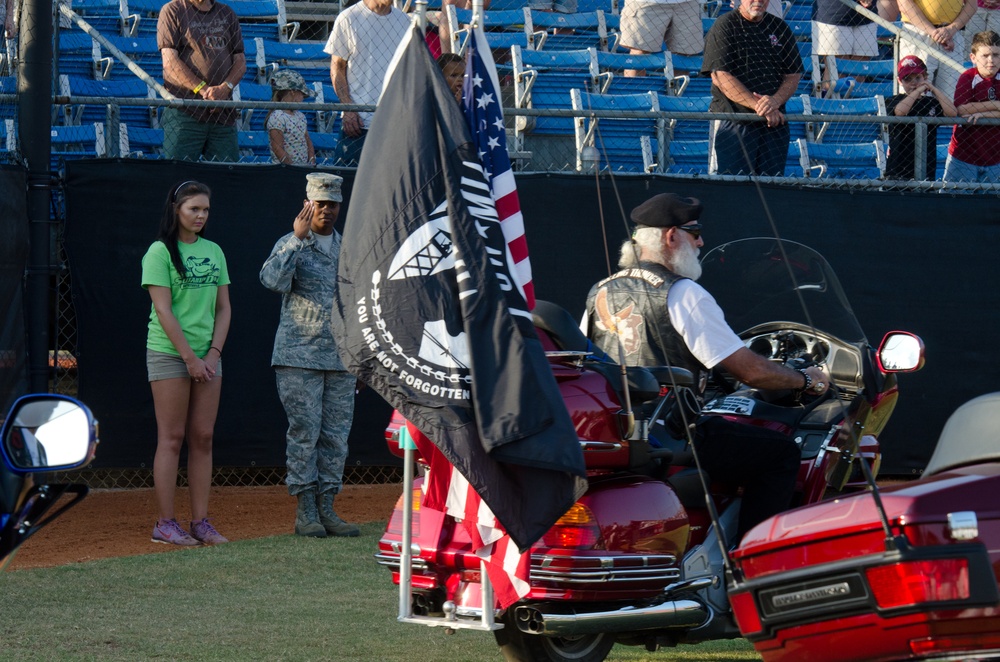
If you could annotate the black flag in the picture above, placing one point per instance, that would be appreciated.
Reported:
(428, 313)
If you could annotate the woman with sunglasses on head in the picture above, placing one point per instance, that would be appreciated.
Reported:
(188, 282)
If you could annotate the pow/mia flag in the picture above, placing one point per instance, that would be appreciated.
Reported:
(429, 315)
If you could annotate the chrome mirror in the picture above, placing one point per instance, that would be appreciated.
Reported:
(46, 432)
(901, 352)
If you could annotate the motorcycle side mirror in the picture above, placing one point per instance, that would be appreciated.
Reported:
(48, 433)
(901, 351)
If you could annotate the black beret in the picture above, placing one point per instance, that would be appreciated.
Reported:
(667, 210)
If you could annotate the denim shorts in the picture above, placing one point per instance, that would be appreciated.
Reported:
(160, 365)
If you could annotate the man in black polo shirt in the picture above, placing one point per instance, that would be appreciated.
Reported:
(755, 67)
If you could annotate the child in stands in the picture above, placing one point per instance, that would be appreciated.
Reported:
(974, 152)
(919, 99)
(287, 129)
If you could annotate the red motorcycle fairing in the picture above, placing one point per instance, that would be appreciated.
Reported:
(822, 585)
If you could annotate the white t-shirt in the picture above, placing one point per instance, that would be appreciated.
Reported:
(367, 41)
(701, 323)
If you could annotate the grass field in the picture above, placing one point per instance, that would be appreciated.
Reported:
(279, 598)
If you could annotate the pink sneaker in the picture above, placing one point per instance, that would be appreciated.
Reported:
(206, 533)
(169, 532)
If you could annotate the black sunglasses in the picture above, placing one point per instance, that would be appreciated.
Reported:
(693, 230)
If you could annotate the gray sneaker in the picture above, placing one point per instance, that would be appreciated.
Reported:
(206, 533)
(169, 532)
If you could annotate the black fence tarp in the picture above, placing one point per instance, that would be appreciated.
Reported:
(920, 262)
(13, 260)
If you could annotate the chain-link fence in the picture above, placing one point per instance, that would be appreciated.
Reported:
(834, 93)
(694, 88)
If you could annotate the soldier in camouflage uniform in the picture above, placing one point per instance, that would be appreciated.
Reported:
(316, 391)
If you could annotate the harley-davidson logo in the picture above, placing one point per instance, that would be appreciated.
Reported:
(811, 595)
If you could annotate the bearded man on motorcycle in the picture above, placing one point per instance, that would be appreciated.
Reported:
(653, 313)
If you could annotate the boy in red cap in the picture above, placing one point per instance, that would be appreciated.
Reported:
(919, 99)
(974, 152)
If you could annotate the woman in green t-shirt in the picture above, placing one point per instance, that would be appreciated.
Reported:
(188, 282)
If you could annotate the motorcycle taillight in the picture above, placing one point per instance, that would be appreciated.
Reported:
(745, 611)
(914, 582)
(577, 529)
(396, 521)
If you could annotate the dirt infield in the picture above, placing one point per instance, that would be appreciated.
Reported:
(119, 522)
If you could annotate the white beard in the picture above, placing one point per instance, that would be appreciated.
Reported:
(684, 262)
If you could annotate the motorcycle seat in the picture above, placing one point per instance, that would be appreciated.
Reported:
(642, 385)
(563, 329)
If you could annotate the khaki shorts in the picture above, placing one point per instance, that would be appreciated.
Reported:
(844, 39)
(647, 25)
(160, 365)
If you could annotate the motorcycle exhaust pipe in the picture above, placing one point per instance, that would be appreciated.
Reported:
(669, 614)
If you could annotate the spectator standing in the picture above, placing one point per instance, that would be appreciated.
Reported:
(755, 68)
(361, 46)
(974, 152)
(939, 24)
(840, 31)
(919, 99)
(188, 281)
(316, 391)
(288, 130)
(986, 17)
(202, 48)
(647, 24)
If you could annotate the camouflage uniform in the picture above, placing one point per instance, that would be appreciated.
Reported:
(318, 395)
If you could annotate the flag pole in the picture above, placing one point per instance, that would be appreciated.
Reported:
(406, 553)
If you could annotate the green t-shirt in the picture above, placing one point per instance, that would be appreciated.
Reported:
(192, 297)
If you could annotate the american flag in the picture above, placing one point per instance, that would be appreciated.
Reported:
(484, 116)
(447, 489)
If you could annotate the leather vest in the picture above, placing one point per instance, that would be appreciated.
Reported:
(630, 307)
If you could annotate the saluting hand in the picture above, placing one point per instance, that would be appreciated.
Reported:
(304, 220)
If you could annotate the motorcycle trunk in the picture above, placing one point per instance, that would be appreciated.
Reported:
(823, 583)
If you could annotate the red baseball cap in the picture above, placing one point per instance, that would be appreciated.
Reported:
(909, 65)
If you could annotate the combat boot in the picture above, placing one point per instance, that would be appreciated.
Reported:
(307, 518)
(331, 523)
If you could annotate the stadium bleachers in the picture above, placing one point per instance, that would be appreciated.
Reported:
(550, 55)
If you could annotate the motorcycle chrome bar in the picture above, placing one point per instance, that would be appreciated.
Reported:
(487, 621)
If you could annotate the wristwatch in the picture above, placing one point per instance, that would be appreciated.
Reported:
(228, 84)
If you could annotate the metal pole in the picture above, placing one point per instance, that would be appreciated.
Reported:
(34, 86)
(920, 153)
(406, 553)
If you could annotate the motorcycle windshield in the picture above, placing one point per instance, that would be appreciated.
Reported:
(762, 280)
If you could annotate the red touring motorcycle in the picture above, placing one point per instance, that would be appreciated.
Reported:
(907, 572)
(42, 433)
(641, 558)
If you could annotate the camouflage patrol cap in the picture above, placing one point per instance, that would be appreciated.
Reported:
(289, 79)
(324, 186)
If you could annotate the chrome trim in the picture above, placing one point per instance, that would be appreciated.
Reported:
(599, 445)
(963, 525)
(669, 614)
(604, 569)
(391, 561)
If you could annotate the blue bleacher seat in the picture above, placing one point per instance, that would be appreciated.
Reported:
(255, 146)
(325, 145)
(589, 29)
(143, 142)
(658, 68)
(129, 88)
(308, 59)
(689, 157)
(543, 79)
(617, 141)
(685, 129)
(846, 132)
(844, 160)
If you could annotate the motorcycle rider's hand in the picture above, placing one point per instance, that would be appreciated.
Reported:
(820, 381)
